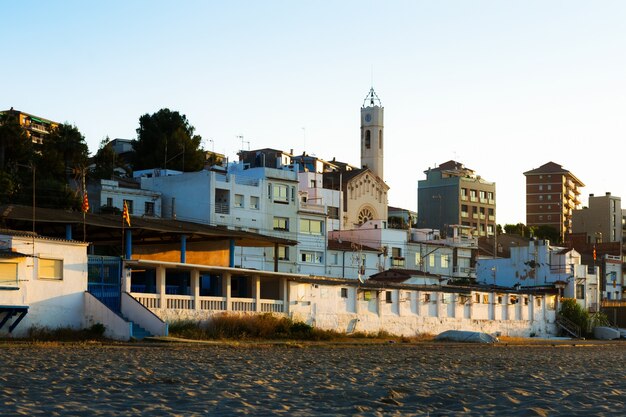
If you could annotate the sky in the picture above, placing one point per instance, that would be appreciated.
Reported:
(500, 86)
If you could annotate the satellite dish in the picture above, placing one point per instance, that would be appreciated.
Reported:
(361, 279)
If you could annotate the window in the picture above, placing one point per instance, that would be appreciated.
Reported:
(238, 200)
(525, 301)
(477, 298)
(368, 139)
(50, 268)
(463, 193)
(311, 227)
(311, 257)
(445, 261)
(427, 298)
(580, 291)
(333, 213)
(549, 196)
(279, 193)
(538, 302)
(540, 198)
(485, 299)
(129, 204)
(473, 195)
(344, 293)
(149, 208)
(380, 139)
(334, 258)
(540, 187)
(283, 253)
(254, 202)
(109, 202)
(388, 298)
(313, 184)
(8, 273)
(418, 259)
(431, 260)
(549, 186)
(281, 223)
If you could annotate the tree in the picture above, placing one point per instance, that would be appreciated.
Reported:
(106, 161)
(166, 140)
(16, 156)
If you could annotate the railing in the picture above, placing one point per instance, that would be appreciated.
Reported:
(213, 303)
(243, 304)
(613, 303)
(180, 302)
(314, 208)
(568, 326)
(254, 182)
(222, 208)
(272, 306)
(148, 300)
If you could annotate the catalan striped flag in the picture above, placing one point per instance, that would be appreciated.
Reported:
(85, 206)
(126, 214)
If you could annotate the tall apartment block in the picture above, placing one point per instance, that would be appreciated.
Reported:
(37, 128)
(552, 194)
(453, 194)
(601, 221)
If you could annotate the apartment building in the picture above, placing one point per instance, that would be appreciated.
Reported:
(601, 221)
(453, 194)
(37, 128)
(552, 195)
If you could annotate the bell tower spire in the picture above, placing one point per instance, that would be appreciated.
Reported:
(372, 129)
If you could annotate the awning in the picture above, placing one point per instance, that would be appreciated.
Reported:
(11, 311)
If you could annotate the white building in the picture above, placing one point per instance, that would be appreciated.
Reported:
(540, 265)
(109, 194)
(44, 278)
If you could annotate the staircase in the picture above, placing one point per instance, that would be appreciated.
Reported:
(138, 332)
(568, 326)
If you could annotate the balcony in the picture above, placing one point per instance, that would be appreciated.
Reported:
(222, 208)
(313, 208)
(473, 199)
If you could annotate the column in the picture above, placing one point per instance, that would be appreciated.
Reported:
(195, 288)
(356, 300)
(418, 303)
(160, 286)
(283, 294)
(231, 254)
(129, 244)
(256, 290)
(183, 249)
(226, 290)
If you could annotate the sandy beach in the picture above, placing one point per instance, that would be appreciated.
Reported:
(360, 380)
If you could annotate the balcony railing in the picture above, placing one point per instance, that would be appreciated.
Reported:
(187, 302)
(222, 208)
(313, 208)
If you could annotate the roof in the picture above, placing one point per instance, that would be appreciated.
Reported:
(400, 275)
(553, 168)
(331, 179)
(106, 228)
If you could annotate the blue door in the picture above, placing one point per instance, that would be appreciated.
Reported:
(105, 280)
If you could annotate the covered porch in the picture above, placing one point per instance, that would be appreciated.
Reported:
(188, 290)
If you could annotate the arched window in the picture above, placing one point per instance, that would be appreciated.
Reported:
(367, 139)
(380, 139)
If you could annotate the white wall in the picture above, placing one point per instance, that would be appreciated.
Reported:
(52, 303)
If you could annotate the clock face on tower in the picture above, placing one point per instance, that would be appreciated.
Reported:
(368, 117)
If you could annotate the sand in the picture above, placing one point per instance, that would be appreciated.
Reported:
(360, 380)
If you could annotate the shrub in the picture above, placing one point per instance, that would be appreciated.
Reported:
(575, 313)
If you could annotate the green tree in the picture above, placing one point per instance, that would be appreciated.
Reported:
(106, 161)
(16, 156)
(166, 139)
(575, 313)
(547, 232)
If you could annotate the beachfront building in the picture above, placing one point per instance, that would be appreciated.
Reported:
(454, 194)
(258, 199)
(552, 194)
(539, 265)
(42, 282)
(345, 305)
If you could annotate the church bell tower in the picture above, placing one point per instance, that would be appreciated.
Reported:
(372, 133)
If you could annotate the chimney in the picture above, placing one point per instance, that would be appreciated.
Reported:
(608, 193)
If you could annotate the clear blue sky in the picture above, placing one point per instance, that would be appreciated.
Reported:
(500, 86)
